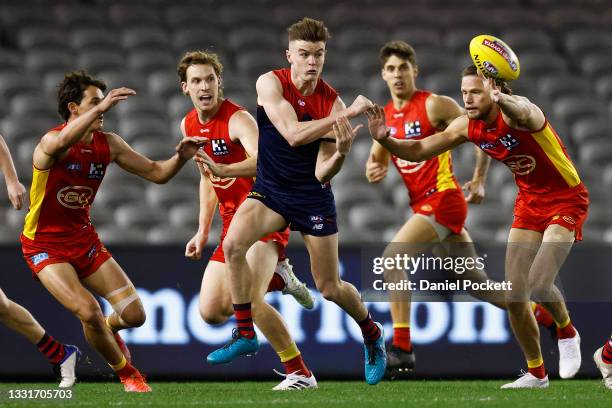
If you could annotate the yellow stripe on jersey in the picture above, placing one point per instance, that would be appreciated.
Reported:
(445, 175)
(37, 195)
(548, 141)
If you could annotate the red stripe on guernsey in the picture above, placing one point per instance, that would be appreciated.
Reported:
(412, 123)
(60, 197)
(538, 159)
(315, 106)
(231, 191)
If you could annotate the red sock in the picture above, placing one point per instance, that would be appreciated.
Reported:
(369, 329)
(543, 316)
(538, 371)
(276, 283)
(244, 319)
(127, 371)
(401, 338)
(51, 348)
(296, 365)
(566, 332)
(606, 353)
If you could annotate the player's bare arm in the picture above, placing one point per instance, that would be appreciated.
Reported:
(284, 118)
(16, 190)
(243, 129)
(417, 150)
(54, 145)
(208, 204)
(442, 110)
(476, 187)
(331, 156)
(519, 110)
(156, 171)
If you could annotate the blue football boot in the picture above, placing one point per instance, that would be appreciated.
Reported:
(238, 346)
(375, 358)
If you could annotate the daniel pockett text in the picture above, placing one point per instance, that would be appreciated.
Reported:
(388, 278)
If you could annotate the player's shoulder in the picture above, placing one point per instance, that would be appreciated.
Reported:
(269, 82)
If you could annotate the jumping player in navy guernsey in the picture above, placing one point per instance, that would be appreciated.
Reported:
(304, 137)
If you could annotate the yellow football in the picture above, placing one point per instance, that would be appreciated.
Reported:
(494, 58)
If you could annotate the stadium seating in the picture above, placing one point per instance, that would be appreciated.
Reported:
(565, 49)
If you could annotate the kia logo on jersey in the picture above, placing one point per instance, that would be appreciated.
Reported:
(75, 197)
(521, 164)
(412, 129)
(219, 147)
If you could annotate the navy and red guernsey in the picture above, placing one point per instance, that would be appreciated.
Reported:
(286, 180)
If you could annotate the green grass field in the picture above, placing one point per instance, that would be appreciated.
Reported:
(583, 393)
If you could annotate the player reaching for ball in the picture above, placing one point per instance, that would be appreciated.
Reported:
(438, 203)
(550, 208)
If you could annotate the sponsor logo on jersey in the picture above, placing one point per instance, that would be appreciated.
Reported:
(73, 167)
(75, 197)
(221, 182)
(301, 103)
(96, 171)
(38, 258)
(412, 129)
(398, 115)
(407, 167)
(521, 164)
(204, 130)
(392, 131)
(509, 141)
(489, 145)
(219, 147)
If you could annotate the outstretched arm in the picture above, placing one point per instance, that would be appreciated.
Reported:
(285, 120)
(517, 108)
(16, 190)
(156, 171)
(417, 150)
(54, 144)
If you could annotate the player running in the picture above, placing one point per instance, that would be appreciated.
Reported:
(230, 159)
(438, 203)
(603, 360)
(59, 243)
(549, 212)
(63, 357)
(296, 160)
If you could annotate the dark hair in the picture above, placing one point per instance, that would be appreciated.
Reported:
(308, 29)
(71, 89)
(398, 48)
(471, 70)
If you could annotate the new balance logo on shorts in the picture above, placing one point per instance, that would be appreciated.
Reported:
(317, 221)
(38, 258)
(219, 147)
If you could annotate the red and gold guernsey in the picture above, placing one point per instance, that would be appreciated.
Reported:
(232, 191)
(60, 197)
(412, 123)
(538, 159)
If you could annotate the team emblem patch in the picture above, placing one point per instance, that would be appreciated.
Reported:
(412, 129)
(96, 171)
(509, 142)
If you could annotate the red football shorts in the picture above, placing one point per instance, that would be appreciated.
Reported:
(448, 207)
(281, 239)
(83, 251)
(567, 208)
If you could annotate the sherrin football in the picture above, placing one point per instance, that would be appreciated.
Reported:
(494, 58)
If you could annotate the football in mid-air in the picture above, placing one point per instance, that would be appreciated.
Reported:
(494, 58)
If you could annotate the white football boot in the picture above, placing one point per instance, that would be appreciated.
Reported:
(605, 369)
(293, 286)
(66, 369)
(295, 381)
(569, 356)
(527, 380)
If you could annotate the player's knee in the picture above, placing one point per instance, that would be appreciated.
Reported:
(212, 315)
(134, 316)
(90, 313)
(329, 290)
(233, 249)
